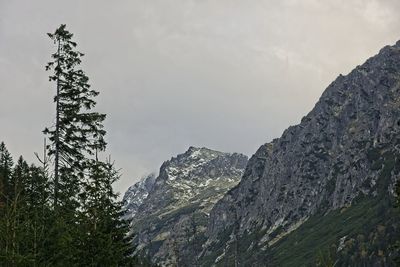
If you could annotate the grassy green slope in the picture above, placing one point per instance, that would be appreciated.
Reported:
(369, 224)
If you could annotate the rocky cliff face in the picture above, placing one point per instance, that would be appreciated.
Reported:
(170, 213)
(136, 194)
(346, 148)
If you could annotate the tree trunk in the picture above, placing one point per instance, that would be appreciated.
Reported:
(56, 163)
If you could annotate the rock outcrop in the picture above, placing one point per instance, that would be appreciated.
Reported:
(136, 194)
(170, 221)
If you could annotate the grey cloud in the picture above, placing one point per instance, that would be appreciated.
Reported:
(228, 74)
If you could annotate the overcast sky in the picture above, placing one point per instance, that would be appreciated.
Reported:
(225, 74)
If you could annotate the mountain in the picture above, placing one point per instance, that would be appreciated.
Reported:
(136, 194)
(324, 190)
(170, 212)
(323, 194)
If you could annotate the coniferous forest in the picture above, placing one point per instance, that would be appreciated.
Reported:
(63, 211)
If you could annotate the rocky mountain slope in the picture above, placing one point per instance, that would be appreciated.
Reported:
(338, 165)
(320, 195)
(170, 212)
(136, 194)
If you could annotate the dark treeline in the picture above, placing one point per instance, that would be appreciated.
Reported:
(64, 212)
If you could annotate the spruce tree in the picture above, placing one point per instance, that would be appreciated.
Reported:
(106, 242)
(78, 131)
(77, 134)
(24, 214)
(18, 229)
(38, 213)
(15, 221)
(87, 226)
(6, 164)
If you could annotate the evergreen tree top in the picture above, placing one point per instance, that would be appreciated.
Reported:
(62, 33)
(6, 160)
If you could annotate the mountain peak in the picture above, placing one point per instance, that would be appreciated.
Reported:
(189, 163)
(187, 188)
(202, 151)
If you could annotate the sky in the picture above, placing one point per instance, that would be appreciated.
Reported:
(229, 75)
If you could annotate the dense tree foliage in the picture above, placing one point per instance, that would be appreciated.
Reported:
(24, 212)
(64, 213)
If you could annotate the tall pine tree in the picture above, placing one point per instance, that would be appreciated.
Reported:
(78, 131)
(88, 230)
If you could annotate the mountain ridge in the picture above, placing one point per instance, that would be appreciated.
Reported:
(324, 162)
(336, 168)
